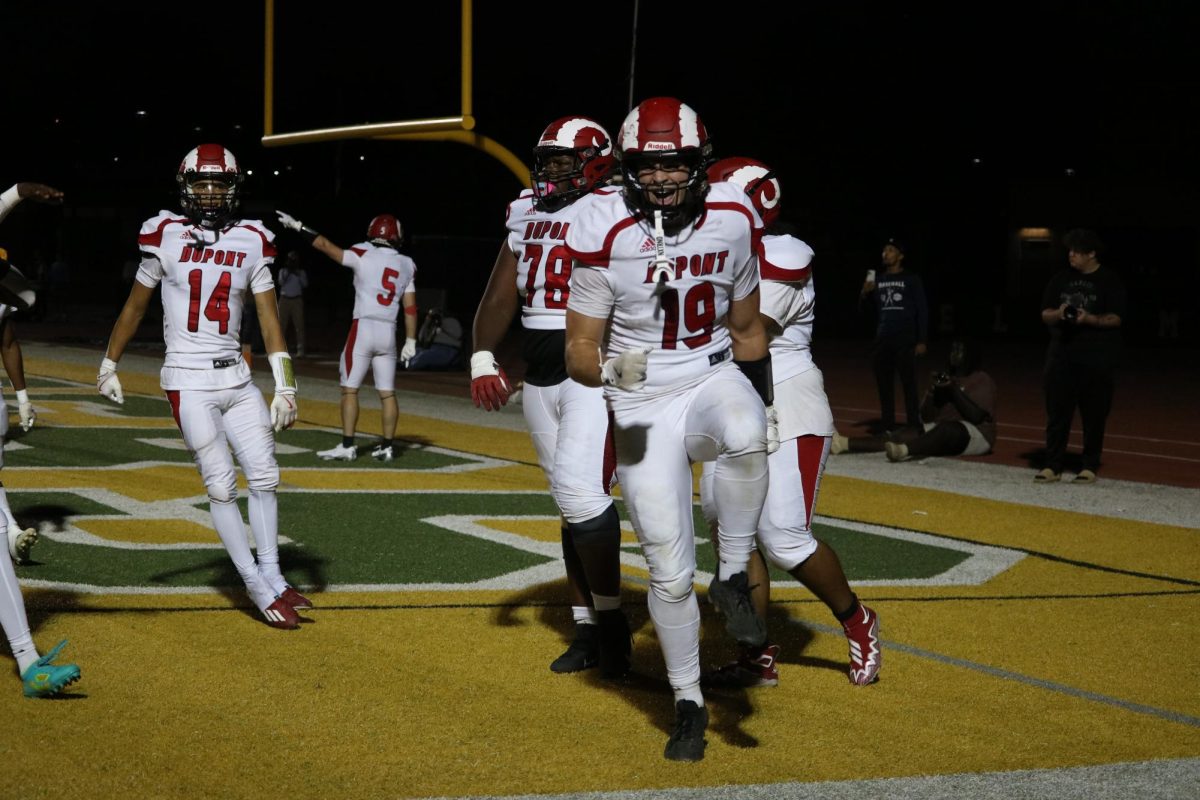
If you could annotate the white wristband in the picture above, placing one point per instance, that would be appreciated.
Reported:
(281, 368)
(108, 365)
(483, 363)
(22, 396)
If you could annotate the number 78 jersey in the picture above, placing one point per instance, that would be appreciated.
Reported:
(538, 240)
(205, 275)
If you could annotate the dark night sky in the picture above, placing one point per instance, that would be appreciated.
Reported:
(950, 127)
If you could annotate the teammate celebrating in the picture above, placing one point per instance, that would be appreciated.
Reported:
(206, 261)
(380, 270)
(788, 299)
(567, 420)
(666, 278)
(39, 675)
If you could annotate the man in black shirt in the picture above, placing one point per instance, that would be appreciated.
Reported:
(1083, 307)
(900, 334)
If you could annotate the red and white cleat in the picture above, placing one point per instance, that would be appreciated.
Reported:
(862, 631)
(296, 600)
(280, 615)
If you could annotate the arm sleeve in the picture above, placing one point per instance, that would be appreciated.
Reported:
(591, 293)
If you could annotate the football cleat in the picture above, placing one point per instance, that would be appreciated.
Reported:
(754, 667)
(381, 453)
(732, 599)
(280, 615)
(339, 453)
(862, 631)
(296, 600)
(20, 542)
(687, 740)
(44, 679)
(583, 653)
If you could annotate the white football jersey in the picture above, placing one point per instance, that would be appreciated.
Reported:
(714, 262)
(381, 278)
(783, 261)
(537, 238)
(205, 275)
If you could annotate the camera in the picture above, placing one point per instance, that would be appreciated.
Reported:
(1071, 313)
(941, 379)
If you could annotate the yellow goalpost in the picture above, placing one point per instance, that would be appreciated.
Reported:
(459, 129)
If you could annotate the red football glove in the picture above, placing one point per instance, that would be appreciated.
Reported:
(489, 385)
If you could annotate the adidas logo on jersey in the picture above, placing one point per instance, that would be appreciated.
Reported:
(647, 246)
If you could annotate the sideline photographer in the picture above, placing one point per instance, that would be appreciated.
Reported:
(958, 415)
(1082, 306)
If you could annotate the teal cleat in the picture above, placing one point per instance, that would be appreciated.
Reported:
(44, 679)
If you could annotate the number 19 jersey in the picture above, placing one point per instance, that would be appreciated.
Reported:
(205, 275)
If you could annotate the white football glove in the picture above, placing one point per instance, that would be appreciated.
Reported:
(408, 351)
(772, 430)
(25, 409)
(288, 221)
(107, 382)
(626, 371)
(284, 409)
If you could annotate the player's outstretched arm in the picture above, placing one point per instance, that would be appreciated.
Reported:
(318, 241)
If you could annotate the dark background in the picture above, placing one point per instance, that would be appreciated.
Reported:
(951, 127)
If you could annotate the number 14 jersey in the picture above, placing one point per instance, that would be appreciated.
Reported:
(205, 275)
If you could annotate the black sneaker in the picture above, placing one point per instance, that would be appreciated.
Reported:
(583, 652)
(732, 599)
(687, 740)
(615, 644)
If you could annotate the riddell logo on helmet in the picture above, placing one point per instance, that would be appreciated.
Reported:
(658, 146)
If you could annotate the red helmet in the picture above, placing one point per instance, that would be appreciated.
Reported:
(386, 228)
(588, 148)
(209, 181)
(665, 131)
(757, 180)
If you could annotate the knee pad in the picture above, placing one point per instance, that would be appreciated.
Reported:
(599, 530)
(223, 492)
(745, 434)
(265, 481)
(787, 548)
(674, 589)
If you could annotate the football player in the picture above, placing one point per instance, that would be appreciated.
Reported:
(573, 160)
(787, 302)
(664, 314)
(40, 676)
(383, 281)
(207, 259)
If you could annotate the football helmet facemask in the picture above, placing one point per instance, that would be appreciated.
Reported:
(757, 180)
(662, 135)
(573, 156)
(209, 185)
(385, 229)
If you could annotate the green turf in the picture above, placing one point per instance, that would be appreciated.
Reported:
(134, 405)
(32, 507)
(99, 447)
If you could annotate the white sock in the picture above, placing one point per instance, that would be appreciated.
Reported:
(12, 610)
(227, 519)
(678, 628)
(739, 490)
(264, 523)
(584, 615)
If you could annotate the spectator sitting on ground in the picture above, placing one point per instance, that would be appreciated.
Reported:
(958, 415)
